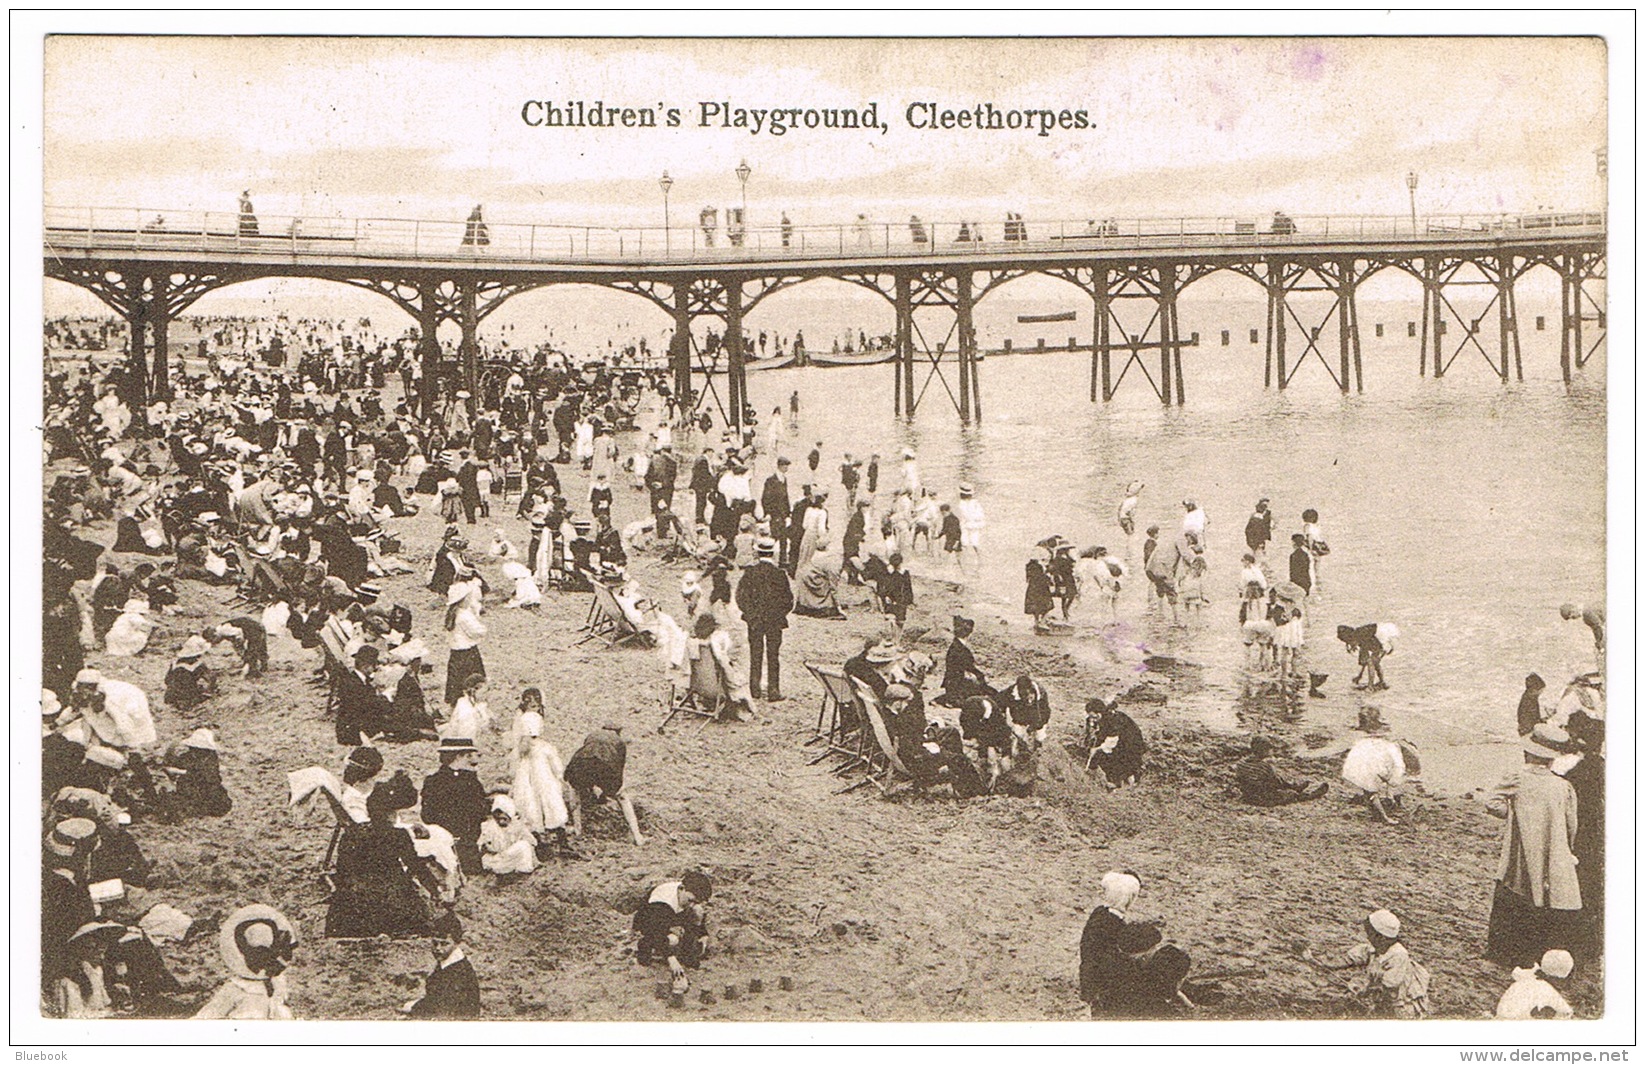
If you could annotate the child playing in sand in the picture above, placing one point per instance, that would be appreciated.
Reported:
(1372, 642)
(1393, 985)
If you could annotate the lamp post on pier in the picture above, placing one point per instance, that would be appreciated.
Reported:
(742, 177)
(665, 183)
(1411, 183)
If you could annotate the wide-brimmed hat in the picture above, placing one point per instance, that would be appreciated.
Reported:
(193, 647)
(897, 692)
(883, 652)
(457, 592)
(766, 548)
(1383, 922)
(458, 745)
(256, 929)
(1547, 741)
(1134, 487)
(102, 933)
(966, 490)
(67, 839)
(88, 676)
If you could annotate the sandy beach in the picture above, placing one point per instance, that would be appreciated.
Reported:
(921, 907)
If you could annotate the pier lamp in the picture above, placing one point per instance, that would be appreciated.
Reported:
(665, 183)
(1411, 183)
(742, 176)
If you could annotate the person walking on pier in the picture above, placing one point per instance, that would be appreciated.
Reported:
(475, 233)
(248, 217)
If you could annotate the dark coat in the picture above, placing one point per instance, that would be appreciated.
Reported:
(662, 473)
(360, 708)
(774, 498)
(765, 597)
(960, 674)
(456, 801)
(702, 475)
(377, 874)
(449, 991)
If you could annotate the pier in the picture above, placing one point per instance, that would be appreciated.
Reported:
(150, 266)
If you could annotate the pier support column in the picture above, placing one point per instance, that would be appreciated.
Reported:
(963, 303)
(736, 381)
(1274, 285)
(1507, 327)
(1100, 355)
(1345, 300)
(428, 344)
(1170, 336)
(138, 367)
(469, 350)
(904, 304)
(1278, 304)
(1353, 327)
(1431, 285)
(679, 347)
(160, 319)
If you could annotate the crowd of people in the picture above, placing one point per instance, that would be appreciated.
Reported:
(292, 487)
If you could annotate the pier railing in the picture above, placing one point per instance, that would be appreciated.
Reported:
(109, 229)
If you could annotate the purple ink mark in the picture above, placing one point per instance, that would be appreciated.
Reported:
(1308, 63)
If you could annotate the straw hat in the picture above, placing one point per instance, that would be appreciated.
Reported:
(1547, 741)
(256, 942)
(457, 592)
(70, 836)
(201, 739)
(966, 490)
(193, 647)
(882, 653)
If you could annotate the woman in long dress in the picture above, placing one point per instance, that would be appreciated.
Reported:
(463, 622)
(538, 790)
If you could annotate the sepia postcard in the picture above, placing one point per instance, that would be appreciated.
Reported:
(678, 530)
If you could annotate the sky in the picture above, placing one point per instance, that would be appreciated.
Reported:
(424, 128)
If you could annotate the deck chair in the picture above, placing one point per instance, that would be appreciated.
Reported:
(334, 645)
(844, 735)
(892, 771)
(828, 711)
(706, 693)
(871, 755)
(607, 621)
(513, 483)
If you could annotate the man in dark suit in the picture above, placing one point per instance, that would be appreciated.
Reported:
(765, 598)
(774, 502)
(468, 480)
(660, 477)
(702, 480)
(452, 990)
(961, 678)
(334, 452)
(454, 799)
(361, 708)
